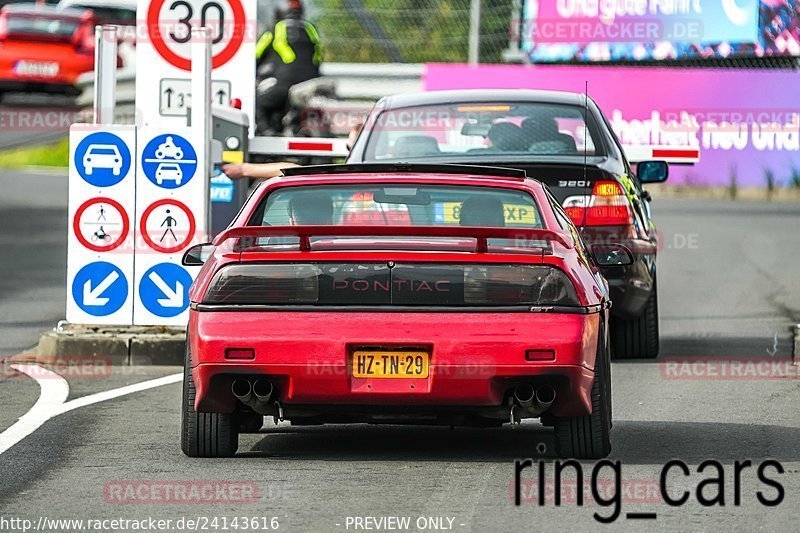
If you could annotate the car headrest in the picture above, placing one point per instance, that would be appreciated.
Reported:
(416, 146)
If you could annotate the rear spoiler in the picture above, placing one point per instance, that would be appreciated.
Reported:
(479, 233)
(337, 147)
(676, 155)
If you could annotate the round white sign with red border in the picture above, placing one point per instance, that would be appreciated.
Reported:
(101, 224)
(169, 26)
(167, 226)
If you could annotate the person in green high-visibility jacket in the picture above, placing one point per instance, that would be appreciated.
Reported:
(288, 54)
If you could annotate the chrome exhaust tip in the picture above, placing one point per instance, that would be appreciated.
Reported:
(545, 396)
(524, 394)
(262, 389)
(243, 391)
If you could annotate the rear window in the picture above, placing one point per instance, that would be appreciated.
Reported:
(32, 25)
(475, 130)
(396, 204)
(110, 14)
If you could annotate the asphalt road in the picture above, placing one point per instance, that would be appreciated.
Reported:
(34, 118)
(729, 287)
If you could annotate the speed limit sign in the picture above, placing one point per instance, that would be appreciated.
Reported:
(163, 52)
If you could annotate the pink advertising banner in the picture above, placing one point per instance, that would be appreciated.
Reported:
(746, 123)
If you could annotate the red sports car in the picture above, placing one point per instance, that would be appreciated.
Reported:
(352, 294)
(44, 49)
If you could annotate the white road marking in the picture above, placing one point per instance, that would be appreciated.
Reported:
(52, 400)
(54, 391)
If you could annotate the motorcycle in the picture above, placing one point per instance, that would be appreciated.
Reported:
(305, 114)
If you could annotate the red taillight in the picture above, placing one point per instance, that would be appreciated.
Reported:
(240, 353)
(540, 355)
(3, 26)
(607, 206)
(236, 102)
(83, 40)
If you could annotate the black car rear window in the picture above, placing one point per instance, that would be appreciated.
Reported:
(475, 130)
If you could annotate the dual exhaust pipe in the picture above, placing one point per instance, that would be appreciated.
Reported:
(534, 401)
(255, 395)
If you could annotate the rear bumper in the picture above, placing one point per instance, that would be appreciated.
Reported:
(47, 87)
(475, 358)
(629, 287)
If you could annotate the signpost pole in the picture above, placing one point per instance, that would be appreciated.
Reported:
(105, 74)
(201, 103)
(474, 32)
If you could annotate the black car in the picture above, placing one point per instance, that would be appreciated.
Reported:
(541, 132)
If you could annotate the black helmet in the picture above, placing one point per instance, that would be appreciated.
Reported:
(288, 8)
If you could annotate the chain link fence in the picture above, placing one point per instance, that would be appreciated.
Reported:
(409, 31)
(423, 31)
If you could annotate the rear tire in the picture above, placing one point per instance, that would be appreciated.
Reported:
(589, 436)
(205, 434)
(637, 338)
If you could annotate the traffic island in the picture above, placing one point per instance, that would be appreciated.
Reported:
(118, 345)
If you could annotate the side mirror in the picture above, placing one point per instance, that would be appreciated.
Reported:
(198, 254)
(611, 255)
(652, 171)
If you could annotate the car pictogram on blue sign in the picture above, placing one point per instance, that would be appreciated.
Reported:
(169, 161)
(102, 159)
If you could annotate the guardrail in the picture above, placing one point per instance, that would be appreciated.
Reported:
(357, 84)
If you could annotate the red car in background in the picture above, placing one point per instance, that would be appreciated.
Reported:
(349, 294)
(44, 49)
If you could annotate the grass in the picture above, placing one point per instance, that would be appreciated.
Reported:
(55, 154)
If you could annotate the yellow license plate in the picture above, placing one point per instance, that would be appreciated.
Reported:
(378, 364)
(513, 213)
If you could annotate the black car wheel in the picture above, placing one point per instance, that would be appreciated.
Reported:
(589, 436)
(637, 338)
(205, 434)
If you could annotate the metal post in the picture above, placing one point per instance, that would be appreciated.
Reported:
(474, 31)
(201, 105)
(105, 74)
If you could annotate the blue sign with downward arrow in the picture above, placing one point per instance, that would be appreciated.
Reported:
(164, 290)
(100, 288)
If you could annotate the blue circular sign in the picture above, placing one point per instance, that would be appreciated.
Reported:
(169, 161)
(102, 159)
(100, 288)
(164, 290)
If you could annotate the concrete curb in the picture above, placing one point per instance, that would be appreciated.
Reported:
(120, 345)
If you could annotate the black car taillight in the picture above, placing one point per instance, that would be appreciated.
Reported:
(265, 284)
(383, 285)
(536, 285)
